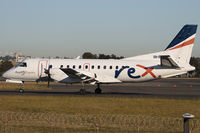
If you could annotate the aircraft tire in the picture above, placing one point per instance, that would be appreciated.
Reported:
(21, 90)
(82, 91)
(98, 91)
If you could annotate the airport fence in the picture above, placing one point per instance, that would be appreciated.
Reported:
(18, 122)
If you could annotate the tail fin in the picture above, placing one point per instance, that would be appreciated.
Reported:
(181, 46)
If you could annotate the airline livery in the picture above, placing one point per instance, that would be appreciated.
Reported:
(174, 60)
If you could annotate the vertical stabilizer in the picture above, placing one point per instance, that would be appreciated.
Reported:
(181, 46)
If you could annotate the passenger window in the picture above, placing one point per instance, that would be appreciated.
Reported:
(74, 66)
(110, 67)
(67, 66)
(98, 67)
(92, 66)
(104, 67)
(86, 67)
(61, 66)
(79, 67)
(117, 67)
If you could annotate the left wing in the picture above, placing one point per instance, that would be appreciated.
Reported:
(89, 77)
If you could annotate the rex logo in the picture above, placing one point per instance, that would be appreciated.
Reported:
(131, 71)
(148, 71)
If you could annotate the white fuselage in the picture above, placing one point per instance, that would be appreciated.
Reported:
(122, 70)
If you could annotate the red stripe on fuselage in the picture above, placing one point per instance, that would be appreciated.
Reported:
(189, 42)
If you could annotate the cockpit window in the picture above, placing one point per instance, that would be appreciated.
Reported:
(21, 64)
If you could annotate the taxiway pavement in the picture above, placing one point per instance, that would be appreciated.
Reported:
(164, 88)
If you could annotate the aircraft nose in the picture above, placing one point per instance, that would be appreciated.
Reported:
(5, 75)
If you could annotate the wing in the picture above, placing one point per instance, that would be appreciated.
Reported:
(89, 77)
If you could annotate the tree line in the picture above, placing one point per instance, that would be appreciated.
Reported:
(4, 66)
(88, 55)
(196, 63)
(7, 57)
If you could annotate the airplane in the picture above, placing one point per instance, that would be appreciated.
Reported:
(172, 61)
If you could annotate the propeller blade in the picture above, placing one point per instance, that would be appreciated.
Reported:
(47, 71)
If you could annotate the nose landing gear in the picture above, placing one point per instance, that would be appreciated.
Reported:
(21, 89)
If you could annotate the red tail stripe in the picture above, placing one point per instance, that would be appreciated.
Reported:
(184, 44)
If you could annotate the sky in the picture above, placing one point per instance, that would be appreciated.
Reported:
(68, 28)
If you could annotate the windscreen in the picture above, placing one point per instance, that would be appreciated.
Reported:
(21, 64)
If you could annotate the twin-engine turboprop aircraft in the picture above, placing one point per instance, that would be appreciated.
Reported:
(174, 60)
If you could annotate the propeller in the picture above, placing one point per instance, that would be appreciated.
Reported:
(47, 71)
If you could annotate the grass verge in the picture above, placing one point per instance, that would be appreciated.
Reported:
(100, 105)
(94, 114)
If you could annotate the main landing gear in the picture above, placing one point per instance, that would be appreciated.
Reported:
(21, 89)
(98, 89)
(82, 90)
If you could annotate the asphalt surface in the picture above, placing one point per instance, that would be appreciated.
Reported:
(163, 88)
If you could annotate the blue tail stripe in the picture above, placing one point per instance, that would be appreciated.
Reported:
(186, 31)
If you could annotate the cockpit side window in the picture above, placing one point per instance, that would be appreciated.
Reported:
(21, 64)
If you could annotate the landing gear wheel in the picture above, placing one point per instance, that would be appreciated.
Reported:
(21, 90)
(98, 91)
(82, 91)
